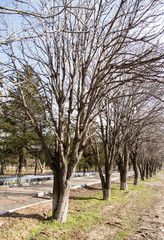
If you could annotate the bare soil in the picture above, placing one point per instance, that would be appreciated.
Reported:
(149, 216)
(152, 220)
(127, 220)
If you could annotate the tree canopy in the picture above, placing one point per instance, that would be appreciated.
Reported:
(81, 54)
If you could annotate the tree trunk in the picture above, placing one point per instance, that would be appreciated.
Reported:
(63, 177)
(20, 164)
(136, 175)
(107, 185)
(150, 170)
(36, 166)
(135, 168)
(3, 169)
(43, 167)
(61, 192)
(60, 208)
(123, 170)
(105, 181)
(123, 179)
(147, 170)
(142, 171)
(155, 169)
(108, 174)
(106, 193)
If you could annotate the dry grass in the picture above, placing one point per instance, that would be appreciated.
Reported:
(89, 216)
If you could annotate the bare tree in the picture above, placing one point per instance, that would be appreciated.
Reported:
(139, 107)
(150, 151)
(78, 51)
(106, 141)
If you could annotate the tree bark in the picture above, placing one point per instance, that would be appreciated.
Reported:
(142, 171)
(84, 170)
(43, 167)
(147, 170)
(136, 176)
(123, 185)
(36, 166)
(155, 169)
(135, 169)
(2, 170)
(123, 169)
(20, 164)
(150, 171)
(60, 204)
(107, 185)
(61, 192)
(106, 193)
(105, 181)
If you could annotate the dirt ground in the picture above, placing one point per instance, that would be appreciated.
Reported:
(152, 220)
(116, 217)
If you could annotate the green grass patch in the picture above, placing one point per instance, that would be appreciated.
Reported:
(125, 232)
(77, 221)
(85, 214)
(90, 212)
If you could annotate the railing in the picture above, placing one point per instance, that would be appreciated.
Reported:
(31, 179)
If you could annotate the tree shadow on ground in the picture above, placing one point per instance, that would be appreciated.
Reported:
(92, 188)
(85, 198)
(45, 197)
(20, 216)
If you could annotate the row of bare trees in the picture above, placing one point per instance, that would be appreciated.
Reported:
(97, 70)
(129, 128)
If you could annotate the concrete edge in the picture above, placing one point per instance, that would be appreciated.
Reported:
(43, 193)
(48, 192)
(73, 187)
(30, 205)
(84, 185)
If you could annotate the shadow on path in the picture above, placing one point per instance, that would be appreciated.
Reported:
(20, 216)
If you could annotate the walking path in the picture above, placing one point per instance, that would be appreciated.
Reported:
(12, 198)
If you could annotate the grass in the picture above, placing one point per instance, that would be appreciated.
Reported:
(144, 200)
(88, 212)
(85, 214)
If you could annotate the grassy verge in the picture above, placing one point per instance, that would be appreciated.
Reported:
(88, 212)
